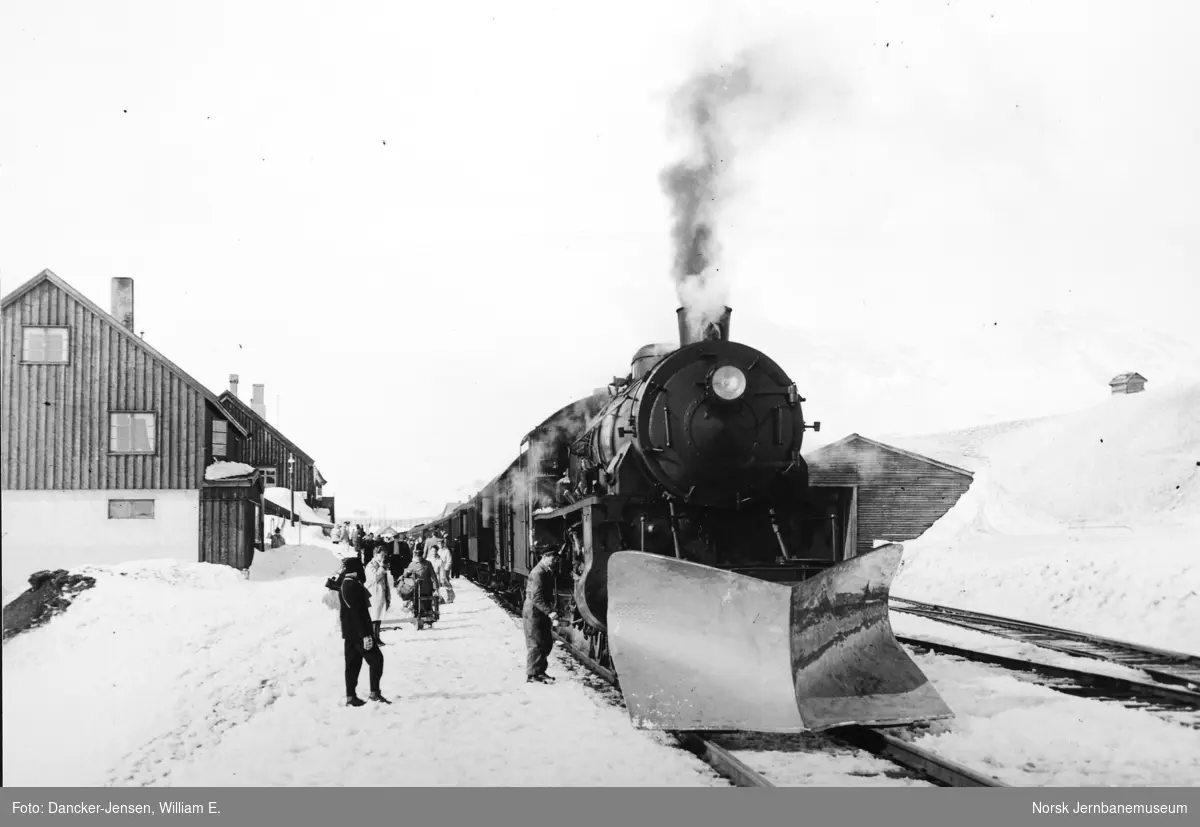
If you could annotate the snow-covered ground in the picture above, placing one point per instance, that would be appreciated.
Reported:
(1089, 520)
(1029, 735)
(187, 674)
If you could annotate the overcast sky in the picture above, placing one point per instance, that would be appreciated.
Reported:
(425, 229)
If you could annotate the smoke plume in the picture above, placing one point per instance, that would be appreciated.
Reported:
(698, 184)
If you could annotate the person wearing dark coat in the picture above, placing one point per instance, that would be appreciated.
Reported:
(358, 638)
(372, 545)
(423, 574)
(396, 567)
(539, 614)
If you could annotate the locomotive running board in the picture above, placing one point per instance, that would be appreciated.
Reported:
(699, 648)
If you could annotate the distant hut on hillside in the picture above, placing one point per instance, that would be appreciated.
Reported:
(1128, 383)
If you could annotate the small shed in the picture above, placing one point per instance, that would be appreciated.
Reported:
(231, 520)
(877, 492)
(1128, 383)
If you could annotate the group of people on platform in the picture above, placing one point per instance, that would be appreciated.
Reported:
(366, 580)
(365, 583)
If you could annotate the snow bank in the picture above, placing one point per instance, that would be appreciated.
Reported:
(1029, 735)
(186, 674)
(225, 470)
(1088, 520)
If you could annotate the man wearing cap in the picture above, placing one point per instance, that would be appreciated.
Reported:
(357, 634)
(539, 614)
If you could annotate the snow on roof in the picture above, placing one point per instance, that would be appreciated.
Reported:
(282, 498)
(225, 470)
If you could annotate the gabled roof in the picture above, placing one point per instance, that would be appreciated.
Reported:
(48, 276)
(1126, 377)
(892, 448)
(228, 398)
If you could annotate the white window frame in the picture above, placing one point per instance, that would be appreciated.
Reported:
(220, 448)
(133, 506)
(270, 476)
(43, 330)
(152, 432)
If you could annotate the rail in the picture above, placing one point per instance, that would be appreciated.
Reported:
(1087, 684)
(1163, 665)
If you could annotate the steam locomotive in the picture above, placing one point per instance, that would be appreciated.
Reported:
(695, 455)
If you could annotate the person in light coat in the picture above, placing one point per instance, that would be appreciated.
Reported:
(443, 565)
(381, 593)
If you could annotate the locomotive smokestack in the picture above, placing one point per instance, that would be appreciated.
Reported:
(692, 329)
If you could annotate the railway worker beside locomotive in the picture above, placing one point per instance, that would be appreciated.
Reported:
(358, 641)
(539, 614)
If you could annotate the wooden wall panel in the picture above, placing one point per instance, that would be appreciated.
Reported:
(899, 497)
(264, 448)
(55, 432)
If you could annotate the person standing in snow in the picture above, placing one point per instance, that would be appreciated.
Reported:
(539, 614)
(381, 593)
(395, 564)
(424, 575)
(358, 642)
(441, 562)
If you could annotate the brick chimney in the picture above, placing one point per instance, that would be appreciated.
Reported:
(122, 302)
(257, 402)
(233, 383)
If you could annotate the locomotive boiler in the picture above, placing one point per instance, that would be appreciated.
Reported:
(696, 455)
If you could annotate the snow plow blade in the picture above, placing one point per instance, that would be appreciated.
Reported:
(699, 648)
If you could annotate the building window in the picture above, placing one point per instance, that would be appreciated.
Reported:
(131, 433)
(268, 477)
(131, 509)
(46, 345)
(220, 437)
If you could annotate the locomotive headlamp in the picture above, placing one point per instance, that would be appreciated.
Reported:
(728, 382)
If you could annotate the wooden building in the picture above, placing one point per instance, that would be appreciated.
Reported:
(268, 450)
(874, 492)
(106, 442)
(1128, 383)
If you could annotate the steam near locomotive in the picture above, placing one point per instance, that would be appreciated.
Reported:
(695, 457)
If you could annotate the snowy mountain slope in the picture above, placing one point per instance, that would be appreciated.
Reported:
(1087, 520)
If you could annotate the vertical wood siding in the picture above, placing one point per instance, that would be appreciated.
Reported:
(899, 497)
(55, 429)
(227, 525)
(263, 448)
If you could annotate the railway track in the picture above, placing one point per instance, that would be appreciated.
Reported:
(1166, 667)
(1144, 695)
(919, 762)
